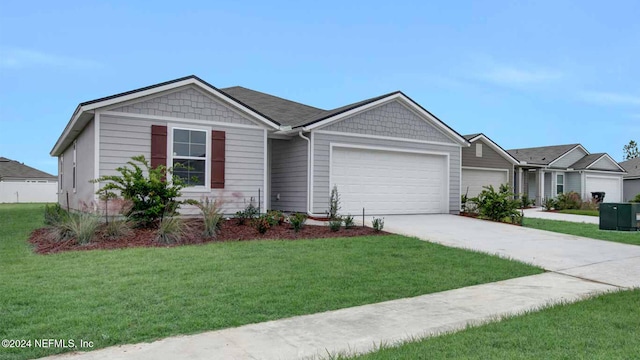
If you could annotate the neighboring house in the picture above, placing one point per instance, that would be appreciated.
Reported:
(545, 172)
(386, 154)
(631, 183)
(485, 163)
(22, 183)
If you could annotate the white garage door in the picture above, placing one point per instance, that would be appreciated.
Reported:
(389, 182)
(474, 179)
(610, 185)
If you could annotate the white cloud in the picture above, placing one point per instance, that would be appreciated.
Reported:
(22, 58)
(510, 75)
(610, 98)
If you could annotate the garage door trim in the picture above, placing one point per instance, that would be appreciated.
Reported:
(446, 155)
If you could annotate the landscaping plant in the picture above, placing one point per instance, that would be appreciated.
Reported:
(335, 224)
(262, 223)
(497, 205)
(149, 190)
(54, 214)
(348, 222)
(249, 213)
(81, 226)
(334, 203)
(377, 223)
(568, 201)
(297, 221)
(635, 199)
(275, 217)
(211, 216)
(170, 230)
(117, 228)
(549, 204)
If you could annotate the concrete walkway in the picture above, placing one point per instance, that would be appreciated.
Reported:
(539, 213)
(581, 268)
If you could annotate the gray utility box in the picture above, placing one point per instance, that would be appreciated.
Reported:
(620, 216)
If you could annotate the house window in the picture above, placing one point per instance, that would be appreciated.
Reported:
(74, 174)
(190, 156)
(560, 184)
(478, 150)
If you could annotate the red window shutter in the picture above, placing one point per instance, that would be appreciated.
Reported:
(217, 159)
(158, 145)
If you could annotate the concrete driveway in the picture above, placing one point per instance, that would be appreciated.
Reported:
(541, 214)
(602, 261)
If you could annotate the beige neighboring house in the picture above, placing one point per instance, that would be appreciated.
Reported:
(631, 182)
(20, 183)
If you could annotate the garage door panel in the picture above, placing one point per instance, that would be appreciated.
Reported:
(475, 179)
(389, 182)
(610, 185)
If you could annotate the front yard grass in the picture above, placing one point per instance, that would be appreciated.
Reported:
(141, 294)
(580, 212)
(605, 327)
(583, 229)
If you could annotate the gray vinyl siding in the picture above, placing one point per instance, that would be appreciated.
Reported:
(321, 165)
(573, 182)
(122, 137)
(490, 159)
(186, 103)
(570, 158)
(289, 168)
(84, 194)
(604, 164)
(532, 184)
(547, 185)
(631, 189)
(391, 119)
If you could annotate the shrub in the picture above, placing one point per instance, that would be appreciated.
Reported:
(635, 199)
(81, 226)
(549, 203)
(249, 213)
(170, 230)
(262, 223)
(334, 203)
(570, 200)
(524, 201)
(275, 217)
(464, 199)
(152, 195)
(496, 205)
(589, 205)
(117, 228)
(335, 224)
(54, 214)
(377, 223)
(348, 222)
(297, 221)
(211, 216)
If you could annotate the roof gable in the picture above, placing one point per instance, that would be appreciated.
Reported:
(492, 144)
(11, 169)
(543, 155)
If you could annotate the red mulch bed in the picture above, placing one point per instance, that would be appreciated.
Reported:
(230, 231)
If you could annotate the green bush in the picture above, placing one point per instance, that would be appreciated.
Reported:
(54, 214)
(335, 224)
(275, 217)
(377, 223)
(262, 223)
(496, 205)
(211, 216)
(549, 204)
(525, 201)
(170, 230)
(348, 222)
(81, 226)
(568, 201)
(117, 228)
(334, 203)
(250, 212)
(635, 199)
(297, 221)
(151, 194)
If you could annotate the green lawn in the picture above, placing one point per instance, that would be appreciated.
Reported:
(141, 294)
(581, 212)
(585, 230)
(606, 327)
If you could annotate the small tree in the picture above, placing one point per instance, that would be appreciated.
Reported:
(152, 195)
(631, 150)
(334, 203)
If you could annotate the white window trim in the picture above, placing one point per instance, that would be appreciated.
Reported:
(75, 167)
(558, 184)
(207, 165)
(479, 150)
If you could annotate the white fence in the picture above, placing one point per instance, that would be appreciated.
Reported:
(24, 192)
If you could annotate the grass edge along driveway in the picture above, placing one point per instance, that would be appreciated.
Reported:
(585, 230)
(141, 294)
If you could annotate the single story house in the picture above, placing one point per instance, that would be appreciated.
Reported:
(386, 154)
(23, 183)
(544, 172)
(631, 181)
(485, 163)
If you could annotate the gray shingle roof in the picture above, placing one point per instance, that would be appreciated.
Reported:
(471, 136)
(586, 161)
(11, 169)
(632, 167)
(542, 155)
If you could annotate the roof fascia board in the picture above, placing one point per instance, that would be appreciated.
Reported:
(396, 96)
(567, 152)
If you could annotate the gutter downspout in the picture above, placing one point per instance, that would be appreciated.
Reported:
(309, 210)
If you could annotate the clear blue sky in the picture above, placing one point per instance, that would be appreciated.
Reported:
(531, 74)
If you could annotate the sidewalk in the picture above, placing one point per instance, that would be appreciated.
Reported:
(362, 328)
(541, 214)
